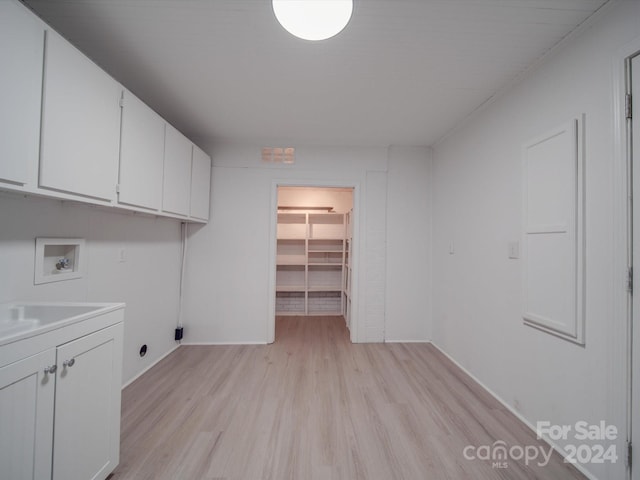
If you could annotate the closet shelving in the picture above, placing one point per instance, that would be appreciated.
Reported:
(310, 263)
(347, 269)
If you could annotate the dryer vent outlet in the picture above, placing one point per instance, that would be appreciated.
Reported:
(178, 335)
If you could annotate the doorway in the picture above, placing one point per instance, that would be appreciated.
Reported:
(314, 251)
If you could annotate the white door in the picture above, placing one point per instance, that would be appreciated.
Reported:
(87, 423)
(635, 162)
(200, 184)
(141, 154)
(80, 139)
(21, 56)
(26, 417)
(177, 173)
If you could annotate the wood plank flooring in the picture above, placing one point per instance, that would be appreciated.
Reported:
(314, 406)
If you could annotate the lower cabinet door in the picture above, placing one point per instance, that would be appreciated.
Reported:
(26, 417)
(87, 408)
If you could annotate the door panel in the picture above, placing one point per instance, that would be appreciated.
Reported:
(177, 172)
(80, 141)
(26, 418)
(21, 56)
(141, 154)
(88, 382)
(200, 184)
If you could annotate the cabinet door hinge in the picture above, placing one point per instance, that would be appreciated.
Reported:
(630, 280)
(122, 102)
(629, 454)
(628, 106)
(118, 188)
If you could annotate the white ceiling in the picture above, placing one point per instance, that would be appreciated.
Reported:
(403, 72)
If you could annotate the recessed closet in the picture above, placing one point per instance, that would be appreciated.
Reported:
(314, 251)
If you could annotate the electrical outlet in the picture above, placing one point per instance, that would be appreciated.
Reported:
(178, 334)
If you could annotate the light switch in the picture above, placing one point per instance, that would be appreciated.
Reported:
(514, 249)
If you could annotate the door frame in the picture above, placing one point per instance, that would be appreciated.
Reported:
(355, 247)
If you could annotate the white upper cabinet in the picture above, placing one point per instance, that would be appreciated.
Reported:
(200, 184)
(68, 130)
(80, 139)
(21, 56)
(177, 172)
(141, 154)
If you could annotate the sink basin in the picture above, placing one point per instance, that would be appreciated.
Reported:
(10, 326)
(19, 318)
(43, 313)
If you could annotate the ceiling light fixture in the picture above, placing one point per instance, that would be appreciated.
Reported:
(313, 19)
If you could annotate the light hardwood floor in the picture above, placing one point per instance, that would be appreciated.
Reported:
(314, 406)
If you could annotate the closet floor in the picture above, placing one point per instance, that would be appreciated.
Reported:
(314, 406)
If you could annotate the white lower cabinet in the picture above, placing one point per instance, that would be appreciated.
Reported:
(87, 406)
(26, 417)
(60, 409)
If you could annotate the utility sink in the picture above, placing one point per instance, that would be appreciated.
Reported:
(21, 319)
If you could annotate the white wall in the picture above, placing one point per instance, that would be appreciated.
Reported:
(477, 206)
(408, 272)
(148, 280)
(228, 272)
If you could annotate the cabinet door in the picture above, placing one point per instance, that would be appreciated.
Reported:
(200, 184)
(87, 410)
(141, 154)
(177, 172)
(21, 54)
(80, 123)
(26, 417)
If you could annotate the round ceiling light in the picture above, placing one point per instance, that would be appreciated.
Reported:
(313, 19)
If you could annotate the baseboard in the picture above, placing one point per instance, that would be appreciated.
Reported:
(517, 414)
(406, 341)
(149, 367)
(222, 343)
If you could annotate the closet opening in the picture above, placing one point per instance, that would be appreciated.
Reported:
(314, 253)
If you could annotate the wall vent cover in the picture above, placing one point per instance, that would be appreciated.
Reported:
(284, 155)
